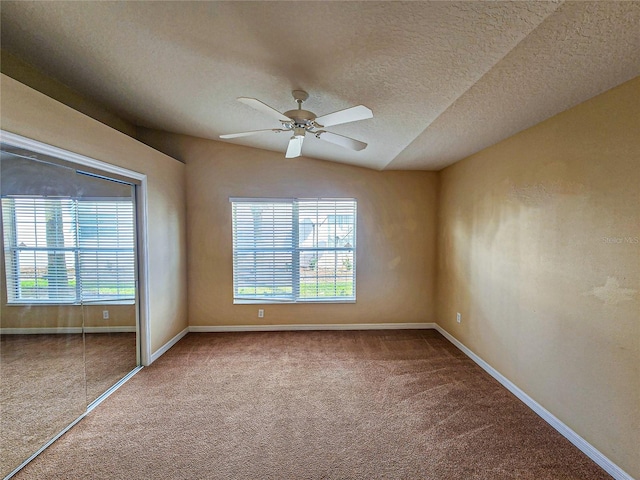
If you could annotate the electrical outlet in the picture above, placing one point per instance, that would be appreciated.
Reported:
(105, 314)
(458, 317)
(260, 313)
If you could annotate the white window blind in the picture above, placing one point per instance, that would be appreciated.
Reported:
(294, 250)
(65, 250)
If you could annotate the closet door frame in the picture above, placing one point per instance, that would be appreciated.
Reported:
(140, 182)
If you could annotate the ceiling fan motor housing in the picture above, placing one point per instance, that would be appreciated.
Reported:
(301, 117)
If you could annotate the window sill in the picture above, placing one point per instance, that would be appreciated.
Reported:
(288, 302)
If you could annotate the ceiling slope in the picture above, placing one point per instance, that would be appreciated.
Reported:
(444, 79)
(583, 49)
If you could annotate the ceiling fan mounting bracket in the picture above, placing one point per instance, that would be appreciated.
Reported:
(300, 96)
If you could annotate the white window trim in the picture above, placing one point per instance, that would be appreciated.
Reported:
(295, 268)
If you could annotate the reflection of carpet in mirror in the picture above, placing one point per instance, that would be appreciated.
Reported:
(42, 379)
(109, 357)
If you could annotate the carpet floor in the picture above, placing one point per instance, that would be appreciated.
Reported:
(313, 405)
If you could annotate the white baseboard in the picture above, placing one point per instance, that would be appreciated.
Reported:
(61, 330)
(589, 450)
(114, 329)
(163, 349)
(39, 331)
(317, 326)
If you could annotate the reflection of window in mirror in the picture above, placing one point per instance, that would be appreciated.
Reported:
(68, 250)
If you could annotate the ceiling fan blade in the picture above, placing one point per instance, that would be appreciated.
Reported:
(295, 147)
(252, 132)
(341, 140)
(264, 108)
(352, 114)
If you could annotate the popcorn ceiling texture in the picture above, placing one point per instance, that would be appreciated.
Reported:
(581, 50)
(444, 79)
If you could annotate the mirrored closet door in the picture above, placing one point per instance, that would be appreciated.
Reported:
(68, 313)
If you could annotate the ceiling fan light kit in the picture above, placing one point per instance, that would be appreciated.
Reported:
(299, 122)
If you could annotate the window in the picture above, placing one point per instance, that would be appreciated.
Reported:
(294, 250)
(66, 250)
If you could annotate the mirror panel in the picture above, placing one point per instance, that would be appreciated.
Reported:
(106, 225)
(41, 340)
(58, 352)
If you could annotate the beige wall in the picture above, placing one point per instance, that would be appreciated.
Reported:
(395, 236)
(539, 250)
(29, 113)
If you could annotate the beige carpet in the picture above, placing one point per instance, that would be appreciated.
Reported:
(313, 405)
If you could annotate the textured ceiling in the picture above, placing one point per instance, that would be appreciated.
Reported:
(444, 79)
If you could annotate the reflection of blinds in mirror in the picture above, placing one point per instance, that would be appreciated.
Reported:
(63, 250)
(106, 249)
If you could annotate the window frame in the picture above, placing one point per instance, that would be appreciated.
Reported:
(296, 251)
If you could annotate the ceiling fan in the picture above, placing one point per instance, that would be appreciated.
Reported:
(301, 122)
